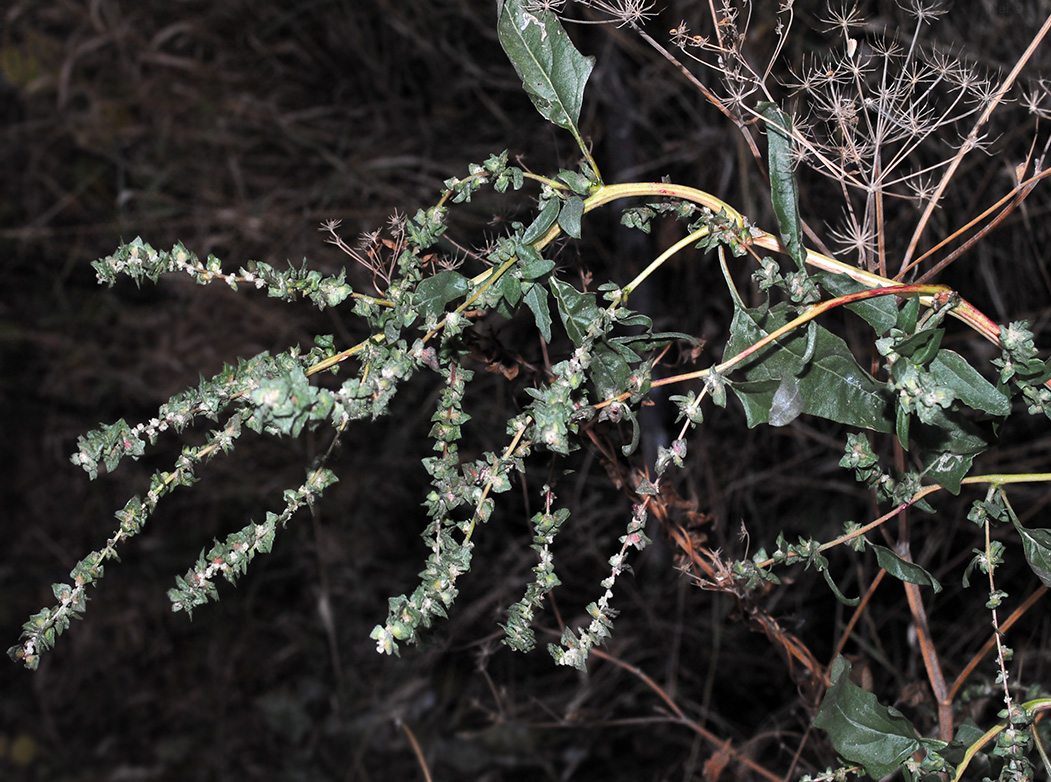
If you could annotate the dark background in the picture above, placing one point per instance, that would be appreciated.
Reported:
(237, 128)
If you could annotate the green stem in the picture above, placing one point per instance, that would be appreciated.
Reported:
(693, 238)
(1040, 704)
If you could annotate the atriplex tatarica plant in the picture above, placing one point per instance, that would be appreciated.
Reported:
(861, 119)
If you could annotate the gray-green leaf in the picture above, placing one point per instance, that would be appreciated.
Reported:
(433, 293)
(569, 217)
(536, 299)
(577, 309)
(788, 402)
(952, 370)
(543, 222)
(783, 191)
(903, 569)
(881, 312)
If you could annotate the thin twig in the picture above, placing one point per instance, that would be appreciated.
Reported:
(683, 719)
(417, 751)
(971, 142)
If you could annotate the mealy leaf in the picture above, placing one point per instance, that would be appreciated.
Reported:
(510, 290)
(577, 182)
(636, 432)
(621, 346)
(903, 569)
(553, 72)
(921, 347)
(848, 601)
(947, 446)
(861, 729)
(783, 190)
(533, 265)
(909, 315)
(901, 426)
(652, 340)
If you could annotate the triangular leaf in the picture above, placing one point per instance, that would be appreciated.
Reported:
(862, 730)
(832, 384)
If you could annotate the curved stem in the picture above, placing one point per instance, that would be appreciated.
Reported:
(1040, 704)
(683, 243)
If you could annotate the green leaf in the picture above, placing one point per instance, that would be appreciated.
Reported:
(577, 182)
(757, 397)
(903, 569)
(847, 601)
(577, 309)
(553, 72)
(532, 264)
(832, 384)
(950, 369)
(901, 426)
(909, 315)
(569, 217)
(636, 432)
(649, 341)
(433, 293)
(609, 371)
(536, 299)
(880, 312)
(1036, 543)
(510, 289)
(861, 729)
(921, 347)
(783, 191)
(543, 222)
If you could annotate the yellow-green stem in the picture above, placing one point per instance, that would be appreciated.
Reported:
(1040, 704)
